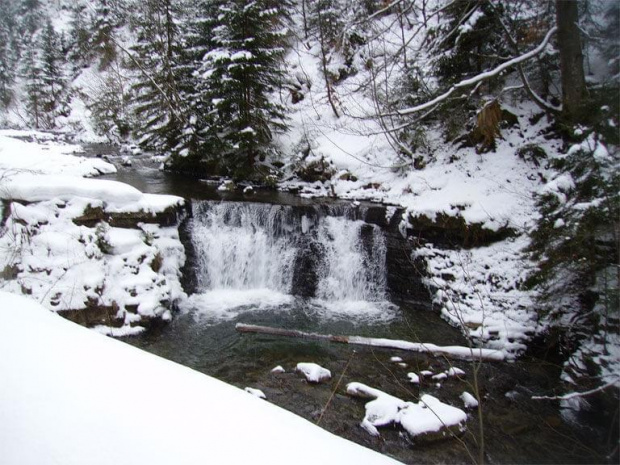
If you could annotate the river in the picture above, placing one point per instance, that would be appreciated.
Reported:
(275, 259)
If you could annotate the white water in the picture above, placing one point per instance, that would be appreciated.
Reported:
(246, 256)
(242, 247)
(351, 271)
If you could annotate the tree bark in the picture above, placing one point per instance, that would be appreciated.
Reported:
(571, 57)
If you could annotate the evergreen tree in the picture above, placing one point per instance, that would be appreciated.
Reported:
(7, 57)
(80, 37)
(469, 40)
(104, 23)
(33, 77)
(238, 75)
(54, 90)
(158, 102)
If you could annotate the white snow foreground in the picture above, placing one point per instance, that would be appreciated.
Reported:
(430, 415)
(71, 396)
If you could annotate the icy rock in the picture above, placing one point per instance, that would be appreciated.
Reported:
(314, 373)
(126, 161)
(227, 185)
(248, 190)
(255, 392)
(396, 359)
(453, 371)
(413, 378)
(429, 419)
(277, 369)
(468, 400)
(426, 373)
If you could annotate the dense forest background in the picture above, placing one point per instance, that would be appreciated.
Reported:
(216, 86)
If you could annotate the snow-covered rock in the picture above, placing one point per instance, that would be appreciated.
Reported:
(314, 373)
(468, 400)
(255, 392)
(429, 417)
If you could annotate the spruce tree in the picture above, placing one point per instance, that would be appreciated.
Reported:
(158, 102)
(33, 77)
(54, 90)
(104, 23)
(238, 75)
(7, 61)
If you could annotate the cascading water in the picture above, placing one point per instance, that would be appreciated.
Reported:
(242, 246)
(352, 271)
(256, 256)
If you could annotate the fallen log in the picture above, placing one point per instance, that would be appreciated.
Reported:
(454, 352)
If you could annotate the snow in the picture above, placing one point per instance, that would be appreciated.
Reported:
(460, 352)
(48, 158)
(454, 371)
(395, 359)
(413, 378)
(255, 392)
(468, 400)
(314, 373)
(429, 415)
(484, 298)
(278, 369)
(71, 396)
(130, 273)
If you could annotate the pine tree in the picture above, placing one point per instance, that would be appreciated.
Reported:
(104, 23)
(7, 57)
(238, 75)
(54, 90)
(33, 77)
(80, 40)
(158, 103)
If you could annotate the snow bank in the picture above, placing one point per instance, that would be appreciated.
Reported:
(71, 396)
(116, 197)
(134, 273)
(48, 158)
(480, 292)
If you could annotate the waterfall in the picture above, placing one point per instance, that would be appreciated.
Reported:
(260, 251)
(242, 246)
(354, 268)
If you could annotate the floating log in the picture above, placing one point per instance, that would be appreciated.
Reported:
(454, 352)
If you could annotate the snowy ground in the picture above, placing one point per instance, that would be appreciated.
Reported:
(52, 250)
(478, 290)
(105, 402)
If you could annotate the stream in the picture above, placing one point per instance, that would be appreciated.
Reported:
(274, 259)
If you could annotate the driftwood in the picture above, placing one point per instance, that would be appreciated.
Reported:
(454, 352)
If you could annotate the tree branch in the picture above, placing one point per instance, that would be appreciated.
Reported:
(481, 77)
(573, 395)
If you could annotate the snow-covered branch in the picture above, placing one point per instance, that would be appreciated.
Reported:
(573, 395)
(481, 77)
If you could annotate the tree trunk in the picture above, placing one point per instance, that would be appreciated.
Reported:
(571, 57)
